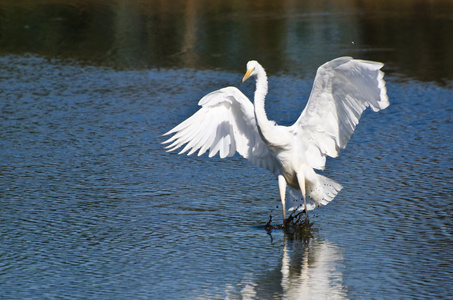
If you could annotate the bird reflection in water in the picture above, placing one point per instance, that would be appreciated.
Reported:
(309, 269)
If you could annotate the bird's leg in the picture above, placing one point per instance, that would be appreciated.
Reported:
(301, 180)
(282, 188)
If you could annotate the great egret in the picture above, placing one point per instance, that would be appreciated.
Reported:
(228, 122)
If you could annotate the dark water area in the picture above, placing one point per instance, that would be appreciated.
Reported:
(291, 37)
(92, 207)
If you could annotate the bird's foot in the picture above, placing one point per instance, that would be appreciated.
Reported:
(296, 225)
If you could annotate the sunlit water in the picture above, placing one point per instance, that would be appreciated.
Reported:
(92, 206)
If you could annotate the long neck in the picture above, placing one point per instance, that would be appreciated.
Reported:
(264, 125)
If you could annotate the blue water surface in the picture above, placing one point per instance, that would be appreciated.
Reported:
(93, 207)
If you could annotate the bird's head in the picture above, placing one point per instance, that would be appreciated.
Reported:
(252, 67)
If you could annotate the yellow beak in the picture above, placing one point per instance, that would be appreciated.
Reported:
(247, 75)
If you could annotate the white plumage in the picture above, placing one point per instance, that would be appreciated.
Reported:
(228, 122)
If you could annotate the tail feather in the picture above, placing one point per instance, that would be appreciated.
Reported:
(323, 190)
(320, 191)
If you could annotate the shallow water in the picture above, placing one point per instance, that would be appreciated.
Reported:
(93, 207)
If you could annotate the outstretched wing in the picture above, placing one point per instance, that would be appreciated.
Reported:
(342, 90)
(225, 123)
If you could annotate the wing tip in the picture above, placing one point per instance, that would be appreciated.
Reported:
(383, 96)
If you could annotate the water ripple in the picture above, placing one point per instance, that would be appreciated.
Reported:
(92, 206)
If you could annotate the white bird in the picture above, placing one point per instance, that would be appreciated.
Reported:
(228, 122)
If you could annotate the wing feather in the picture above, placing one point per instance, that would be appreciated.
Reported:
(224, 124)
(342, 90)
